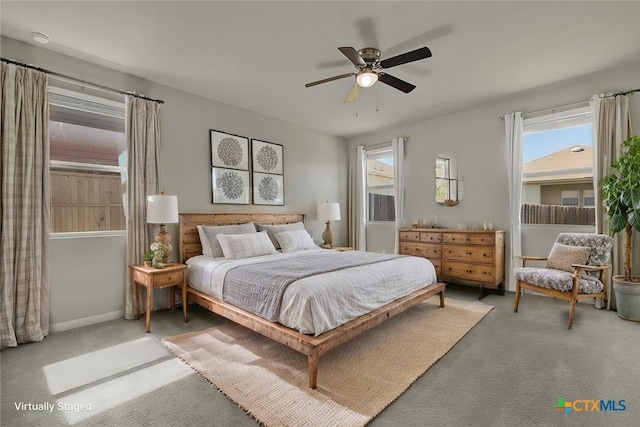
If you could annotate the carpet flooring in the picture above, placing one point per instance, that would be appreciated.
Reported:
(356, 381)
(509, 370)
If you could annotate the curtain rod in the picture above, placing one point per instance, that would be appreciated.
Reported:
(552, 109)
(22, 64)
(629, 92)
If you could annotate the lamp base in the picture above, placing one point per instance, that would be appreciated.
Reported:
(164, 238)
(327, 236)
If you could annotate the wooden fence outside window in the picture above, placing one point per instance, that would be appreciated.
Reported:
(86, 201)
(555, 214)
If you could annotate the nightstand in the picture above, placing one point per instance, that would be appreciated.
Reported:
(171, 275)
(339, 248)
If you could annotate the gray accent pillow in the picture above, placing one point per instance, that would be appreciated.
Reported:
(562, 256)
(208, 236)
(273, 229)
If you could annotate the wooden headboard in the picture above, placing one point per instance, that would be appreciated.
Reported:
(189, 240)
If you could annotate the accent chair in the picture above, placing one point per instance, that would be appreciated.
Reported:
(575, 269)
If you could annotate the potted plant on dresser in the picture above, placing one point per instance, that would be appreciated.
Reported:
(621, 194)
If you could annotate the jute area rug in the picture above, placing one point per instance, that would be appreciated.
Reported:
(356, 381)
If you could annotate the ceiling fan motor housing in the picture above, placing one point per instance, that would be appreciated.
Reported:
(370, 55)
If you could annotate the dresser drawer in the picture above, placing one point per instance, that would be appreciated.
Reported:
(424, 250)
(431, 237)
(459, 238)
(410, 236)
(437, 265)
(468, 253)
(466, 271)
(482, 239)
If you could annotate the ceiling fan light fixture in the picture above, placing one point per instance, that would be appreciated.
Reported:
(366, 78)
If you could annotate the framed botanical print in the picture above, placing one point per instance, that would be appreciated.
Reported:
(230, 186)
(229, 151)
(267, 157)
(268, 189)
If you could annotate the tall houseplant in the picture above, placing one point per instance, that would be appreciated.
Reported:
(621, 194)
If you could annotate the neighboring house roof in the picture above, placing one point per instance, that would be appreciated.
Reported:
(569, 164)
(376, 167)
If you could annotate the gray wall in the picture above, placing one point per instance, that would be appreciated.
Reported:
(477, 137)
(90, 288)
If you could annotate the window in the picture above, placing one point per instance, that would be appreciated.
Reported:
(570, 198)
(446, 186)
(380, 185)
(557, 171)
(88, 166)
(588, 200)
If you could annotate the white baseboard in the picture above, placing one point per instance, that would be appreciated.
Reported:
(86, 321)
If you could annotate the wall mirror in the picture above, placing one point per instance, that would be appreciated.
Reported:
(449, 185)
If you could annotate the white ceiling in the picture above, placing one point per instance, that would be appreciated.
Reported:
(259, 55)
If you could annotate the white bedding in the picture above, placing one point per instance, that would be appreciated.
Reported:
(319, 303)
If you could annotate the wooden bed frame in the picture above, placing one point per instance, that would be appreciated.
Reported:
(312, 347)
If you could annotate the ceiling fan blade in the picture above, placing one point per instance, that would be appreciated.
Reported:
(419, 40)
(414, 55)
(352, 54)
(396, 82)
(353, 94)
(330, 79)
(366, 29)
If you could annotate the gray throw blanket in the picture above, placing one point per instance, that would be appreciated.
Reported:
(258, 288)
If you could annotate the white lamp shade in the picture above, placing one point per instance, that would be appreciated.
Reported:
(328, 211)
(366, 79)
(162, 209)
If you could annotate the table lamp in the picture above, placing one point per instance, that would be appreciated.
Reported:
(328, 212)
(163, 209)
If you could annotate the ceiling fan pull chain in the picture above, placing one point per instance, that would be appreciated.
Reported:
(377, 97)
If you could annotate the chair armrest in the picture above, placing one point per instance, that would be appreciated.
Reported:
(526, 258)
(591, 267)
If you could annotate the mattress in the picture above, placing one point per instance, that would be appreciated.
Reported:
(319, 303)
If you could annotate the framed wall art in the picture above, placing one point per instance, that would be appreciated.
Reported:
(229, 151)
(230, 186)
(268, 189)
(267, 157)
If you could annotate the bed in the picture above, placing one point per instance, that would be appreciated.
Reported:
(301, 335)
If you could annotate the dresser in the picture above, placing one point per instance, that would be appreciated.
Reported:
(468, 257)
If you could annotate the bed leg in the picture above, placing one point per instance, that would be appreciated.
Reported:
(313, 369)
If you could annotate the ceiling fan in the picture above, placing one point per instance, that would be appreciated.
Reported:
(371, 68)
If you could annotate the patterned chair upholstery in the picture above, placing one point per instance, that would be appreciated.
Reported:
(565, 279)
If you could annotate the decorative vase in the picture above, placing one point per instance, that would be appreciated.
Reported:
(627, 298)
(147, 263)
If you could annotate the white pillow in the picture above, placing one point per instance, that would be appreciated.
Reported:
(295, 240)
(210, 245)
(236, 246)
(272, 229)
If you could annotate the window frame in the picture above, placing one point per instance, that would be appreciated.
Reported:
(559, 118)
(110, 104)
(383, 151)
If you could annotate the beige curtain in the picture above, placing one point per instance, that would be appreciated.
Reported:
(24, 210)
(611, 126)
(358, 199)
(513, 127)
(143, 165)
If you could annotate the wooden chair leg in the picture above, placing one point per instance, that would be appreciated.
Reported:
(517, 300)
(572, 312)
